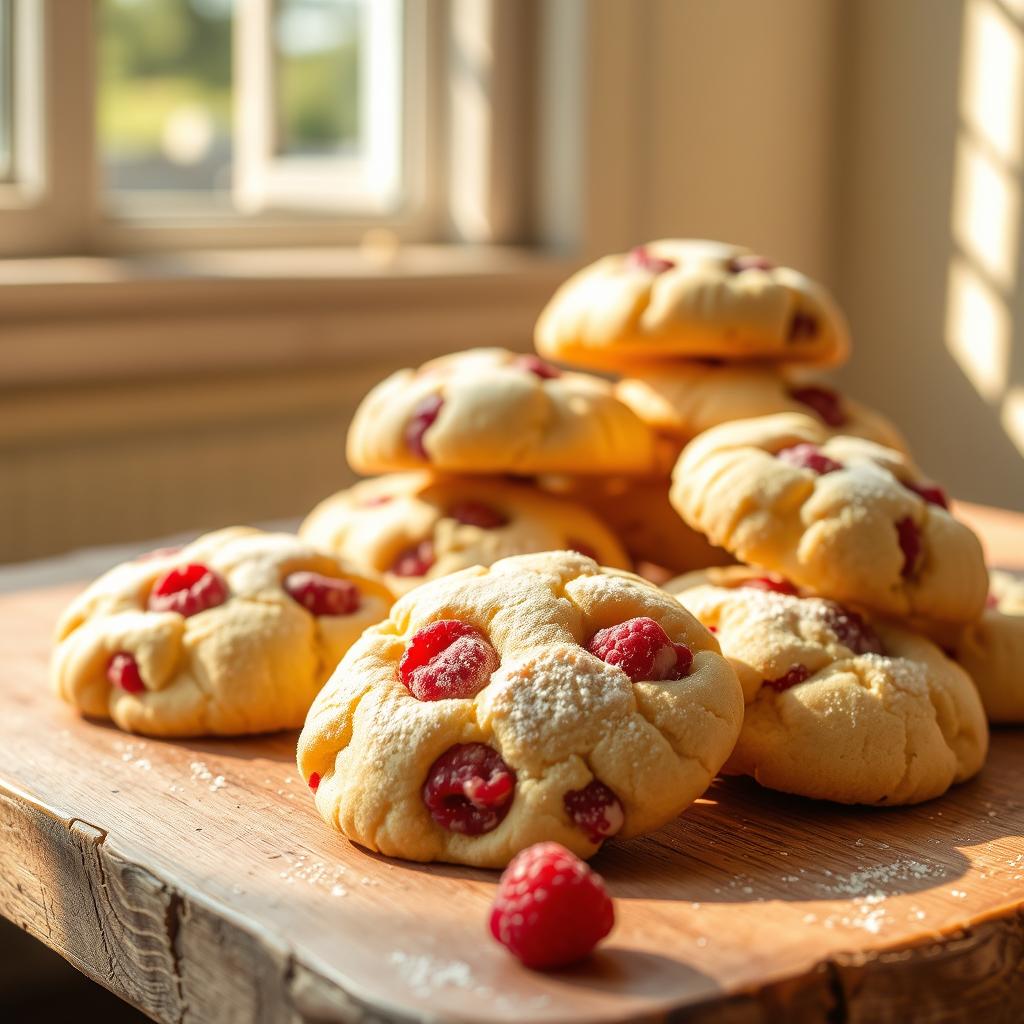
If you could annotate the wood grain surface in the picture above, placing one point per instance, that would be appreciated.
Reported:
(196, 880)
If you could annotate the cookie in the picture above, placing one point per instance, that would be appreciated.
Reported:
(684, 400)
(991, 649)
(847, 518)
(688, 299)
(233, 633)
(639, 512)
(840, 706)
(492, 411)
(542, 698)
(412, 527)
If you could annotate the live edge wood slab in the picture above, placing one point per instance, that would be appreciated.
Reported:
(196, 881)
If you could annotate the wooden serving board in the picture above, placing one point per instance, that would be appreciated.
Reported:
(196, 880)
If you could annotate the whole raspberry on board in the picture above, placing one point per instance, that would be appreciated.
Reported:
(551, 909)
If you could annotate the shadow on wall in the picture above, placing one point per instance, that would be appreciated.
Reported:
(931, 245)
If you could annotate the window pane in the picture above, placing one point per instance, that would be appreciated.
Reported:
(317, 69)
(6, 106)
(164, 103)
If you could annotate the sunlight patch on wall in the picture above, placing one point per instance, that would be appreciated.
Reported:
(977, 329)
(986, 207)
(993, 75)
(1013, 417)
(986, 212)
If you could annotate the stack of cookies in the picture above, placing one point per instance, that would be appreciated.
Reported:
(820, 615)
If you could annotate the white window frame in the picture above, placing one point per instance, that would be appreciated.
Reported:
(64, 215)
(266, 179)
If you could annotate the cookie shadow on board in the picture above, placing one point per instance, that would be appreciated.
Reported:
(743, 844)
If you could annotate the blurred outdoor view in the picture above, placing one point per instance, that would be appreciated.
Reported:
(167, 80)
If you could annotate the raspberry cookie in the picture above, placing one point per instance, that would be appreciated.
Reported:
(683, 298)
(233, 633)
(992, 649)
(845, 517)
(840, 706)
(413, 527)
(684, 400)
(639, 512)
(492, 411)
(543, 698)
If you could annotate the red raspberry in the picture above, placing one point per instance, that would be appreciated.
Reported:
(824, 401)
(808, 456)
(595, 810)
(322, 595)
(796, 675)
(415, 561)
(550, 909)
(932, 493)
(991, 602)
(538, 367)
(379, 499)
(123, 671)
(188, 590)
(314, 781)
(773, 584)
(740, 263)
(476, 513)
(469, 789)
(423, 416)
(640, 259)
(803, 325)
(447, 659)
(850, 629)
(643, 650)
(910, 544)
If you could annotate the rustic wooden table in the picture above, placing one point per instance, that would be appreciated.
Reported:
(196, 881)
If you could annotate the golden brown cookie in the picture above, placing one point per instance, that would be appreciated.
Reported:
(412, 527)
(233, 633)
(639, 512)
(543, 698)
(690, 299)
(491, 411)
(685, 399)
(840, 706)
(992, 649)
(847, 518)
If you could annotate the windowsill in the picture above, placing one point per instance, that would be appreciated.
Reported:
(72, 319)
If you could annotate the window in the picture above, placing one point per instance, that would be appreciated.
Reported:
(218, 122)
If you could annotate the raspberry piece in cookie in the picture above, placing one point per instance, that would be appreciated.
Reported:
(469, 789)
(642, 649)
(825, 402)
(932, 493)
(550, 909)
(474, 722)
(641, 259)
(808, 456)
(850, 523)
(322, 595)
(123, 671)
(772, 583)
(188, 590)
(476, 513)
(538, 367)
(233, 634)
(417, 560)
(840, 705)
(447, 659)
(910, 545)
(596, 810)
(424, 413)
